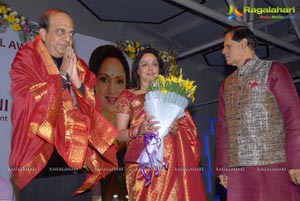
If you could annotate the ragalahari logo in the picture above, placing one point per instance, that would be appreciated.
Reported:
(233, 12)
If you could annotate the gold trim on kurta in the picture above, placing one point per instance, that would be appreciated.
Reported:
(33, 128)
(77, 132)
(38, 90)
(81, 70)
(46, 129)
(51, 67)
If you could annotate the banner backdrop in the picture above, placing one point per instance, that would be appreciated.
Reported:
(9, 45)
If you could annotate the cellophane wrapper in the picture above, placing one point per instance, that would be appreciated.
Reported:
(166, 107)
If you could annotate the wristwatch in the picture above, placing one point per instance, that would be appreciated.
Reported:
(65, 75)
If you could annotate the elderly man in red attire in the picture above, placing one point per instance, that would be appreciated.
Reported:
(258, 132)
(60, 141)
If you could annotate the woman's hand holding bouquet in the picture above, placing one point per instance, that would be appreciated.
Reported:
(165, 102)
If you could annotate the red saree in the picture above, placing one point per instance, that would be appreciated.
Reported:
(182, 180)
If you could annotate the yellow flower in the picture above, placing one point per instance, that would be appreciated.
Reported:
(16, 27)
(187, 84)
(161, 79)
(137, 44)
(174, 79)
(130, 49)
(11, 18)
(3, 9)
(164, 90)
(131, 56)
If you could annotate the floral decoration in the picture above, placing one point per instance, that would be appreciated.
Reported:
(178, 85)
(131, 48)
(8, 17)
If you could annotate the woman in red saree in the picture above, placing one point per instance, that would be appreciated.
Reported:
(182, 179)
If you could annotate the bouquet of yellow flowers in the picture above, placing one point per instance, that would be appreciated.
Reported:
(166, 99)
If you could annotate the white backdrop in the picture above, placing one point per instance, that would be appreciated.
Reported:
(9, 45)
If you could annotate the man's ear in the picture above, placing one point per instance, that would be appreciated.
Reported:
(244, 42)
(43, 33)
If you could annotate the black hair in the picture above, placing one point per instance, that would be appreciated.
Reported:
(106, 51)
(135, 66)
(44, 19)
(241, 32)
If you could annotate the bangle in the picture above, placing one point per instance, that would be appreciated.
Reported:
(130, 133)
(134, 132)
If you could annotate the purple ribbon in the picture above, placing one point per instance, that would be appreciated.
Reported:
(153, 160)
